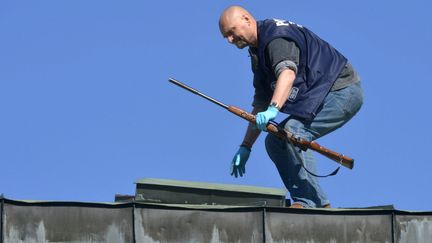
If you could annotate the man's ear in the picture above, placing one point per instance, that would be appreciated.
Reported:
(247, 18)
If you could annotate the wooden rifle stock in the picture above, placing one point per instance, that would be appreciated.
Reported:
(301, 143)
(277, 130)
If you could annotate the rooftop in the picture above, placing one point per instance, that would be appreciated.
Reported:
(149, 216)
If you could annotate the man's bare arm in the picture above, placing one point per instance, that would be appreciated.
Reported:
(284, 84)
(252, 132)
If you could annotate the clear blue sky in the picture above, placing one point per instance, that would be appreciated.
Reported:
(86, 108)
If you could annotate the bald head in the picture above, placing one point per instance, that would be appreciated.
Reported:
(231, 13)
(238, 26)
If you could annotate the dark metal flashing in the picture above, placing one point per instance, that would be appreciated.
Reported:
(413, 213)
(211, 208)
(66, 203)
(333, 211)
(226, 208)
(124, 198)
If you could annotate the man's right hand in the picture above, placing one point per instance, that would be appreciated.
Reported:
(239, 161)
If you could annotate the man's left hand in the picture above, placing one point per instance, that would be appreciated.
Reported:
(262, 118)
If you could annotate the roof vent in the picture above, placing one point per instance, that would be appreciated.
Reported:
(163, 191)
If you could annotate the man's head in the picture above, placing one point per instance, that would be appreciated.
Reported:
(238, 26)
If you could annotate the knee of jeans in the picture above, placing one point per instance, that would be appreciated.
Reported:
(298, 129)
(272, 144)
(294, 126)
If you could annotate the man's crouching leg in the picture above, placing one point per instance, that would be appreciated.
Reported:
(303, 187)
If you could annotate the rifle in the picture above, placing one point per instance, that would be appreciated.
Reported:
(275, 129)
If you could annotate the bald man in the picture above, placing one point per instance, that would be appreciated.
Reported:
(298, 74)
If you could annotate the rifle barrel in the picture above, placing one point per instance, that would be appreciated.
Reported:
(184, 86)
(275, 129)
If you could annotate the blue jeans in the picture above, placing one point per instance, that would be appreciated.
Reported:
(338, 108)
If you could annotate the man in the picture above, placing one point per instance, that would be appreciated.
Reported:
(296, 73)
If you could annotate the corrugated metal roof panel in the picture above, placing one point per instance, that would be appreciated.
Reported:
(300, 227)
(413, 228)
(173, 225)
(44, 222)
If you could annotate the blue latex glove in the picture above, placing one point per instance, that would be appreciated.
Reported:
(262, 118)
(239, 161)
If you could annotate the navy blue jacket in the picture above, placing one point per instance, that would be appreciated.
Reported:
(319, 66)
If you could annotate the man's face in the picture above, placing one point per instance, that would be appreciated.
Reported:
(236, 31)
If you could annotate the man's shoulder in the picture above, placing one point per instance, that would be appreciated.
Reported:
(281, 42)
(282, 45)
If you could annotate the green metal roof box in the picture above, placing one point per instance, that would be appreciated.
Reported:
(186, 192)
